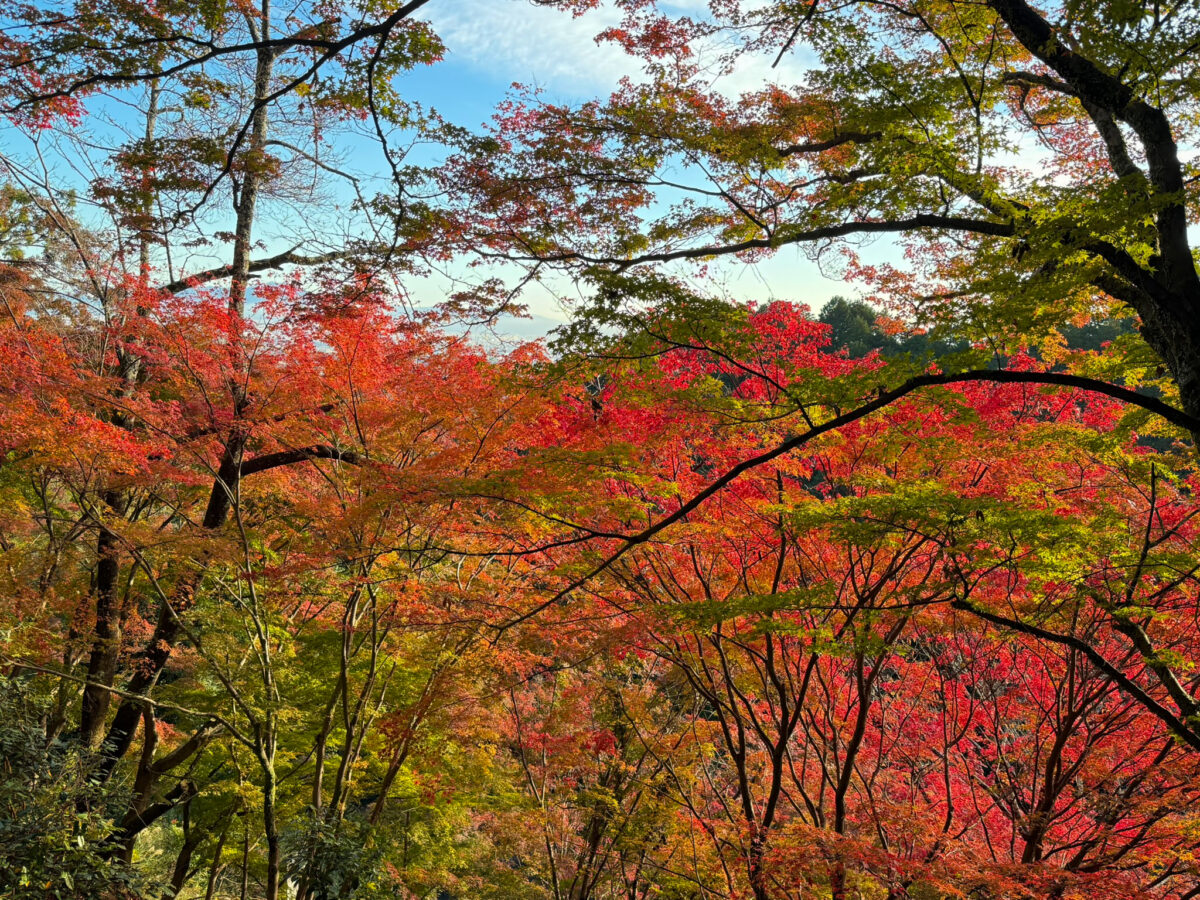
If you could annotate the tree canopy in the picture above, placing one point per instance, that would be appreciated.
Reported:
(315, 585)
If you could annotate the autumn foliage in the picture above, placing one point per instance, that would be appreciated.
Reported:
(311, 588)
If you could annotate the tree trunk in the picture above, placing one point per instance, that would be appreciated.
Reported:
(106, 642)
(254, 160)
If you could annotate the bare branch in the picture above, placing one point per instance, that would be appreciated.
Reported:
(278, 261)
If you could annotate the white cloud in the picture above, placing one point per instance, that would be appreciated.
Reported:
(515, 41)
(754, 71)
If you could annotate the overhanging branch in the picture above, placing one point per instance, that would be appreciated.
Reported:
(838, 140)
(300, 454)
(278, 261)
(988, 227)
(885, 399)
(1176, 724)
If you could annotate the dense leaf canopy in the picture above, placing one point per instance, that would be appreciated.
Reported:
(314, 587)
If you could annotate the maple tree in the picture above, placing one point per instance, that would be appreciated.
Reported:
(307, 593)
(1035, 163)
(1000, 550)
(778, 683)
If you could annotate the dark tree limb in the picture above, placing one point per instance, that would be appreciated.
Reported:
(885, 399)
(278, 261)
(838, 140)
(301, 454)
(1177, 724)
(785, 237)
(1094, 86)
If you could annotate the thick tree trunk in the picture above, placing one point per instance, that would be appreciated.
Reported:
(254, 161)
(1178, 343)
(106, 641)
(1164, 290)
(157, 651)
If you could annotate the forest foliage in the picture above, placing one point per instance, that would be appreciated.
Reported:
(311, 587)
